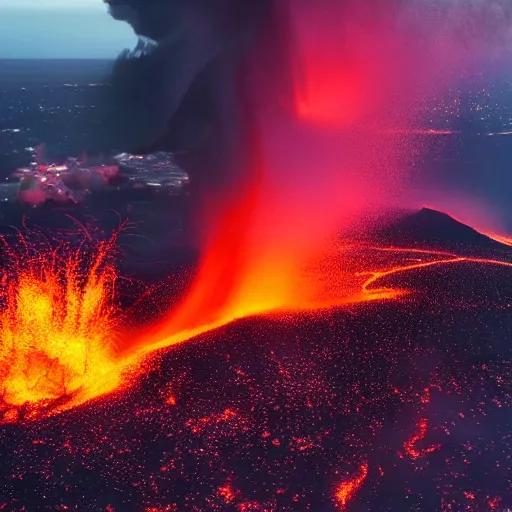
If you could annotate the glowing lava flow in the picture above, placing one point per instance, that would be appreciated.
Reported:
(347, 490)
(57, 327)
(505, 240)
(351, 285)
(447, 258)
(58, 323)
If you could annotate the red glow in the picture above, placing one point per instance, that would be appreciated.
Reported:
(322, 175)
(197, 426)
(339, 74)
(227, 493)
(494, 502)
(276, 410)
(346, 75)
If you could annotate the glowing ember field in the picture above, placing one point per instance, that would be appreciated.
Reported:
(386, 388)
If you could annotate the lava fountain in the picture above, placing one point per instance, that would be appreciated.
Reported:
(57, 328)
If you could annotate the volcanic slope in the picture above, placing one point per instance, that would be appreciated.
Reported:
(398, 405)
(431, 228)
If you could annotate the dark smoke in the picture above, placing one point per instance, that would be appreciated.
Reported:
(185, 87)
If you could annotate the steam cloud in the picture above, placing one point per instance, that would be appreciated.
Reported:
(296, 117)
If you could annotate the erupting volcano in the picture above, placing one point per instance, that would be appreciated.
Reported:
(357, 377)
(330, 352)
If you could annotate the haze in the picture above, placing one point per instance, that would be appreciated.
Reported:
(60, 29)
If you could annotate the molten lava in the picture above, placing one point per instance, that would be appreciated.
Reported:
(57, 329)
(347, 490)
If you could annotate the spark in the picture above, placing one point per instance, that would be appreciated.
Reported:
(227, 493)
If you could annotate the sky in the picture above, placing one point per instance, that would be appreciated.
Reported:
(53, 29)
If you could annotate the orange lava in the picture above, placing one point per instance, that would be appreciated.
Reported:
(347, 490)
(57, 330)
(171, 400)
(443, 258)
(505, 240)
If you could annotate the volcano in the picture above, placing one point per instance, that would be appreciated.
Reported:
(381, 405)
(431, 228)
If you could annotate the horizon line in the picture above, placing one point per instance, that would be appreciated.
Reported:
(58, 58)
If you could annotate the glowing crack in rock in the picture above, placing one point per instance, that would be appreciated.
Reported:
(410, 446)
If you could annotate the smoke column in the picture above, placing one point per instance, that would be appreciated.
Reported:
(184, 88)
(312, 104)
